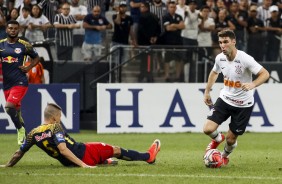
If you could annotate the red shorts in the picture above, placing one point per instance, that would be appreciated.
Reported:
(97, 153)
(15, 95)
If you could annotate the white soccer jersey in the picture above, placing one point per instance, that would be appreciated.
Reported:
(235, 73)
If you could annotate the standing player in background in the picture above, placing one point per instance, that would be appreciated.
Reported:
(51, 138)
(13, 53)
(236, 99)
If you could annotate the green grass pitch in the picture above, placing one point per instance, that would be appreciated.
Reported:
(257, 159)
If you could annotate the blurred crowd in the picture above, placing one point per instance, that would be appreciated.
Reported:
(78, 26)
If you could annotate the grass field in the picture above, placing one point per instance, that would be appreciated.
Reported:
(257, 159)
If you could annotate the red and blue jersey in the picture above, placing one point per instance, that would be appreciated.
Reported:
(12, 56)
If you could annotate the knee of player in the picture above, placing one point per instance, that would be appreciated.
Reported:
(209, 127)
(11, 111)
(230, 140)
(207, 130)
(117, 151)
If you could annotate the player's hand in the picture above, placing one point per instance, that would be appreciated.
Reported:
(89, 166)
(24, 69)
(207, 99)
(248, 86)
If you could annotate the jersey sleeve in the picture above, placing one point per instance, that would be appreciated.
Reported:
(31, 51)
(56, 19)
(252, 65)
(216, 67)
(59, 134)
(87, 19)
(166, 20)
(28, 143)
(72, 19)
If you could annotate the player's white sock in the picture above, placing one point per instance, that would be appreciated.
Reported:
(228, 149)
(216, 136)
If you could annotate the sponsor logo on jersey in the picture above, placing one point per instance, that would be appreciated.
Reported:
(9, 59)
(43, 136)
(234, 84)
(222, 59)
(18, 50)
(239, 102)
(237, 61)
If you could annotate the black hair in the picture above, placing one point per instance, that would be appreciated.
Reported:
(40, 11)
(26, 8)
(205, 7)
(146, 4)
(12, 22)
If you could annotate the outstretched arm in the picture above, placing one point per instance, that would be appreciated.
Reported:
(16, 157)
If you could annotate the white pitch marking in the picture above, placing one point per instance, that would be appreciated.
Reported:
(153, 175)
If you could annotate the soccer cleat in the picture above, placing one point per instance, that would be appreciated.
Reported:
(153, 151)
(110, 161)
(21, 136)
(225, 160)
(213, 144)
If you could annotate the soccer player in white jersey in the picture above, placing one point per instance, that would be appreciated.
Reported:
(236, 97)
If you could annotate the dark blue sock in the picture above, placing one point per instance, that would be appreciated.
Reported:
(131, 155)
(14, 116)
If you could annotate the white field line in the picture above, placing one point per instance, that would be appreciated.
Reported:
(148, 175)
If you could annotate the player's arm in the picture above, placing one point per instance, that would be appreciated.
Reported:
(211, 80)
(262, 76)
(70, 156)
(33, 63)
(16, 157)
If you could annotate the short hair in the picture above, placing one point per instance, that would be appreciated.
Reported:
(205, 7)
(172, 2)
(51, 110)
(227, 33)
(12, 22)
(146, 4)
(26, 8)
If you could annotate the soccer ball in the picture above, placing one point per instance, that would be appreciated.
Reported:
(213, 158)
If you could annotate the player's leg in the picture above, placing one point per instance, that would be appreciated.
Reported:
(12, 107)
(210, 129)
(20, 116)
(230, 145)
(132, 155)
(239, 121)
(13, 113)
(218, 114)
